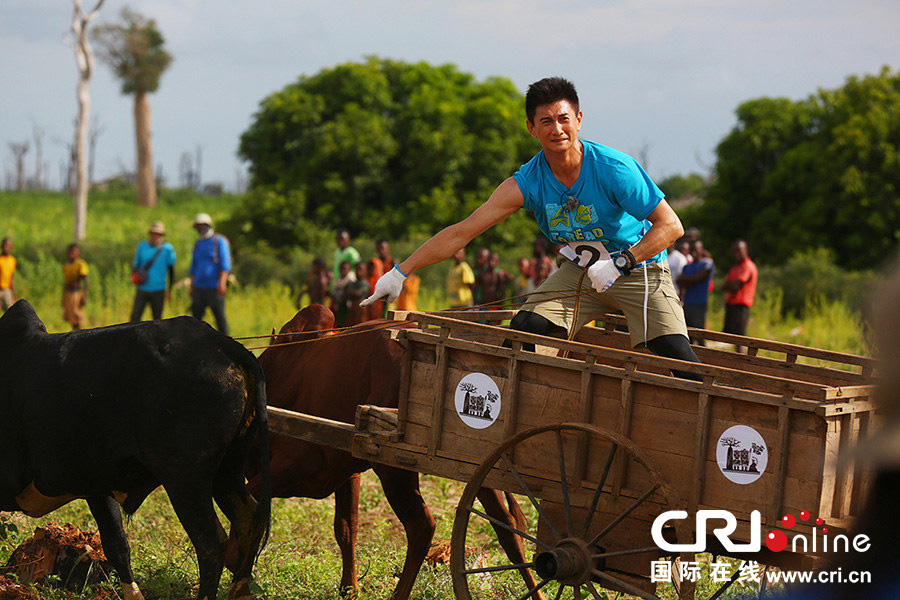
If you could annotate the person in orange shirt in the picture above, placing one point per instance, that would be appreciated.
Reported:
(7, 271)
(379, 265)
(740, 290)
(408, 296)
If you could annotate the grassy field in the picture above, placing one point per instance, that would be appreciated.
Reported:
(301, 560)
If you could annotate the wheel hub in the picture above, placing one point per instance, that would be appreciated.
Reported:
(569, 563)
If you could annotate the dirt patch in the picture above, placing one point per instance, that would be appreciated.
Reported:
(11, 590)
(74, 556)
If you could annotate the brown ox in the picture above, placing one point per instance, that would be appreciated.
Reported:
(329, 377)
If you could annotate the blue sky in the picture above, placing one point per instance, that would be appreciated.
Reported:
(658, 79)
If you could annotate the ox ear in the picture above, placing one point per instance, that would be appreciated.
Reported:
(19, 320)
(272, 337)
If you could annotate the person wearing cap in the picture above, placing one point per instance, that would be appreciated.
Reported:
(153, 259)
(210, 266)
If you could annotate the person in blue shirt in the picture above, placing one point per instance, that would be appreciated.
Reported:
(696, 279)
(611, 220)
(210, 266)
(157, 258)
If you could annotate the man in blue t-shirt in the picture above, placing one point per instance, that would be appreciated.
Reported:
(611, 219)
(695, 281)
(210, 266)
(156, 257)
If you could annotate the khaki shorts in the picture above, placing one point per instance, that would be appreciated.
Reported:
(555, 300)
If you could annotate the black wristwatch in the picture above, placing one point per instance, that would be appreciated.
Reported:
(625, 262)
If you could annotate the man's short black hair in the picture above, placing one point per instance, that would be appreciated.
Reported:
(548, 91)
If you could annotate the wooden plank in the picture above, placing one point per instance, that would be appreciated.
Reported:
(701, 434)
(623, 427)
(851, 422)
(668, 381)
(587, 412)
(511, 395)
(317, 430)
(742, 362)
(765, 382)
(405, 380)
(463, 315)
(771, 345)
(782, 451)
(437, 421)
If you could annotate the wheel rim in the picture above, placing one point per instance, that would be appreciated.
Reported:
(569, 555)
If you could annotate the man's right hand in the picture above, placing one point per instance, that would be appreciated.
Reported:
(603, 273)
(389, 285)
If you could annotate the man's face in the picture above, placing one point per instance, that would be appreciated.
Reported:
(7, 246)
(343, 240)
(556, 126)
(201, 228)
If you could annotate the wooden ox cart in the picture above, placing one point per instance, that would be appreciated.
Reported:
(599, 440)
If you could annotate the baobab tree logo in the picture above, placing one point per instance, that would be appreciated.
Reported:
(742, 454)
(477, 400)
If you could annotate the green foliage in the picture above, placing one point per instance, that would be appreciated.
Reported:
(822, 172)
(134, 50)
(681, 186)
(812, 277)
(382, 147)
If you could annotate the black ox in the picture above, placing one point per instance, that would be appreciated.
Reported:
(110, 414)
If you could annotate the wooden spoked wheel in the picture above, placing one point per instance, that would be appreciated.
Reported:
(583, 525)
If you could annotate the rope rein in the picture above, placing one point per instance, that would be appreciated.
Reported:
(504, 303)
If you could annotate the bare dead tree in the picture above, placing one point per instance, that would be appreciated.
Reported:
(198, 167)
(84, 57)
(185, 170)
(37, 134)
(96, 130)
(19, 151)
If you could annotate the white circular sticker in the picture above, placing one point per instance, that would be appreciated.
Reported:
(477, 400)
(742, 454)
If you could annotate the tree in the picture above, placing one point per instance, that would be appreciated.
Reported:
(134, 50)
(84, 58)
(382, 147)
(819, 173)
(19, 151)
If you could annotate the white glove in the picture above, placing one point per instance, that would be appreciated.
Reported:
(603, 274)
(390, 284)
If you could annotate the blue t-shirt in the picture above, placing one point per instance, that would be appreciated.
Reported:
(698, 293)
(614, 198)
(211, 255)
(156, 274)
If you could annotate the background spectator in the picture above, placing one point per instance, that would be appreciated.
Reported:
(344, 251)
(75, 287)
(338, 296)
(695, 280)
(7, 272)
(678, 256)
(740, 290)
(157, 258)
(318, 282)
(354, 291)
(408, 298)
(460, 280)
(210, 266)
(380, 264)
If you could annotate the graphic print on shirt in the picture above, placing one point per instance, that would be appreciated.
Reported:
(580, 224)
